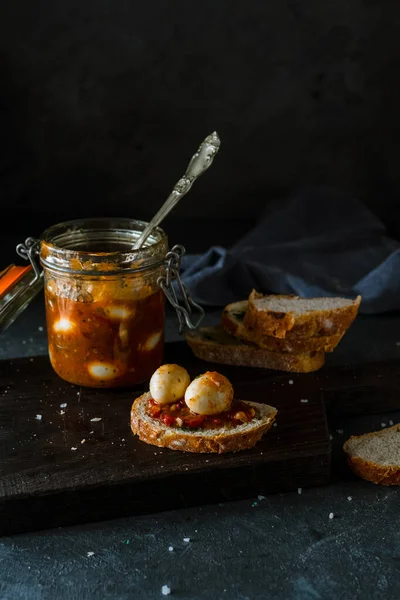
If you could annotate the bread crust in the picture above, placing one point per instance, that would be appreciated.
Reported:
(291, 343)
(157, 434)
(247, 355)
(312, 324)
(369, 470)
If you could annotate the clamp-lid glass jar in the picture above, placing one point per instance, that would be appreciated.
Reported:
(105, 310)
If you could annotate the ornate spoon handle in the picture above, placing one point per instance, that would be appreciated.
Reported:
(198, 164)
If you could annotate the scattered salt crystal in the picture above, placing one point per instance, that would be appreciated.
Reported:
(90, 554)
(275, 424)
(171, 548)
(31, 360)
(83, 441)
(299, 490)
(304, 400)
(38, 417)
(339, 431)
(62, 412)
(261, 497)
(24, 341)
(186, 540)
(331, 515)
(40, 328)
(349, 498)
(397, 343)
(383, 424)
(165, 590)
(63, 405)
(95, 419)
(330, 436)
(74, 448)
(390, 422)
(290, 382)
(123, 439)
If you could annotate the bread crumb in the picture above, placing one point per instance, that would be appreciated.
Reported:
(165, 590)
(304, 400)
(331, 515)
(349, 498)
(186, 540)
(90, 554)
(291, 382)
(38, 417)
(171, 548)
(299, 490)
(95, 419)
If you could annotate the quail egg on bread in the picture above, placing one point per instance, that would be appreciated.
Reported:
(209, 394)
(168, 384)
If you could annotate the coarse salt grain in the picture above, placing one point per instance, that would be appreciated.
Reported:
(40, 328)
(299, 490)
(349, 498)
(171, 548)
(291, 382)
(165, 590)
(261, 497)
(62, 412)
(90, 554)
(186, 540)
(331, 515)
(275, 424)
(390, 422)
(95, 419)
(383, 425)
(339, 431)
(63, 405)
(38, 417)
(74, 448)
(304, 400)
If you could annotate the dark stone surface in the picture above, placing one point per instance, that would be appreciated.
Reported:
(103, 103)
(284, 546)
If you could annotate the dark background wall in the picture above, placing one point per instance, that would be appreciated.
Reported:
(102, 103)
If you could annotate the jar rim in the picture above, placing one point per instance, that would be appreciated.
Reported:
(69, 242)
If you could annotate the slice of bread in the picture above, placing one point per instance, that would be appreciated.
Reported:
(232, 321)
(305, 317)
(219, 440)
(215, 345)
(376, 456)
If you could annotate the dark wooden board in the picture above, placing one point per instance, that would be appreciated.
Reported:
(45, 483)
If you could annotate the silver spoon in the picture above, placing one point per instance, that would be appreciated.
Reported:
(198, 164)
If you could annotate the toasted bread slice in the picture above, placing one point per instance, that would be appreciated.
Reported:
(376, 456)
(304, 317)
(232, 322)
(213, 344)
(219, 440)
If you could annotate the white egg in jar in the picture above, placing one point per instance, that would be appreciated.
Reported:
(209, 394)
(168, 384)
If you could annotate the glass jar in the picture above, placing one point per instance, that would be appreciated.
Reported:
(105, 302)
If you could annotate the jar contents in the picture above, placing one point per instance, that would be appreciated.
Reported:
(104, 331)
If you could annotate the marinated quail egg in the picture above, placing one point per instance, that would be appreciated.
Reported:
(168, 384)
(209, 394)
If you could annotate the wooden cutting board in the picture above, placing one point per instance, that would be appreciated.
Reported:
(67, 454)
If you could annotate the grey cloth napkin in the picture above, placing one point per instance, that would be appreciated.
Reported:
(318, 243)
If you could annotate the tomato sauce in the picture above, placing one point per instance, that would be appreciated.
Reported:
(180, 416)
(104, 335)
